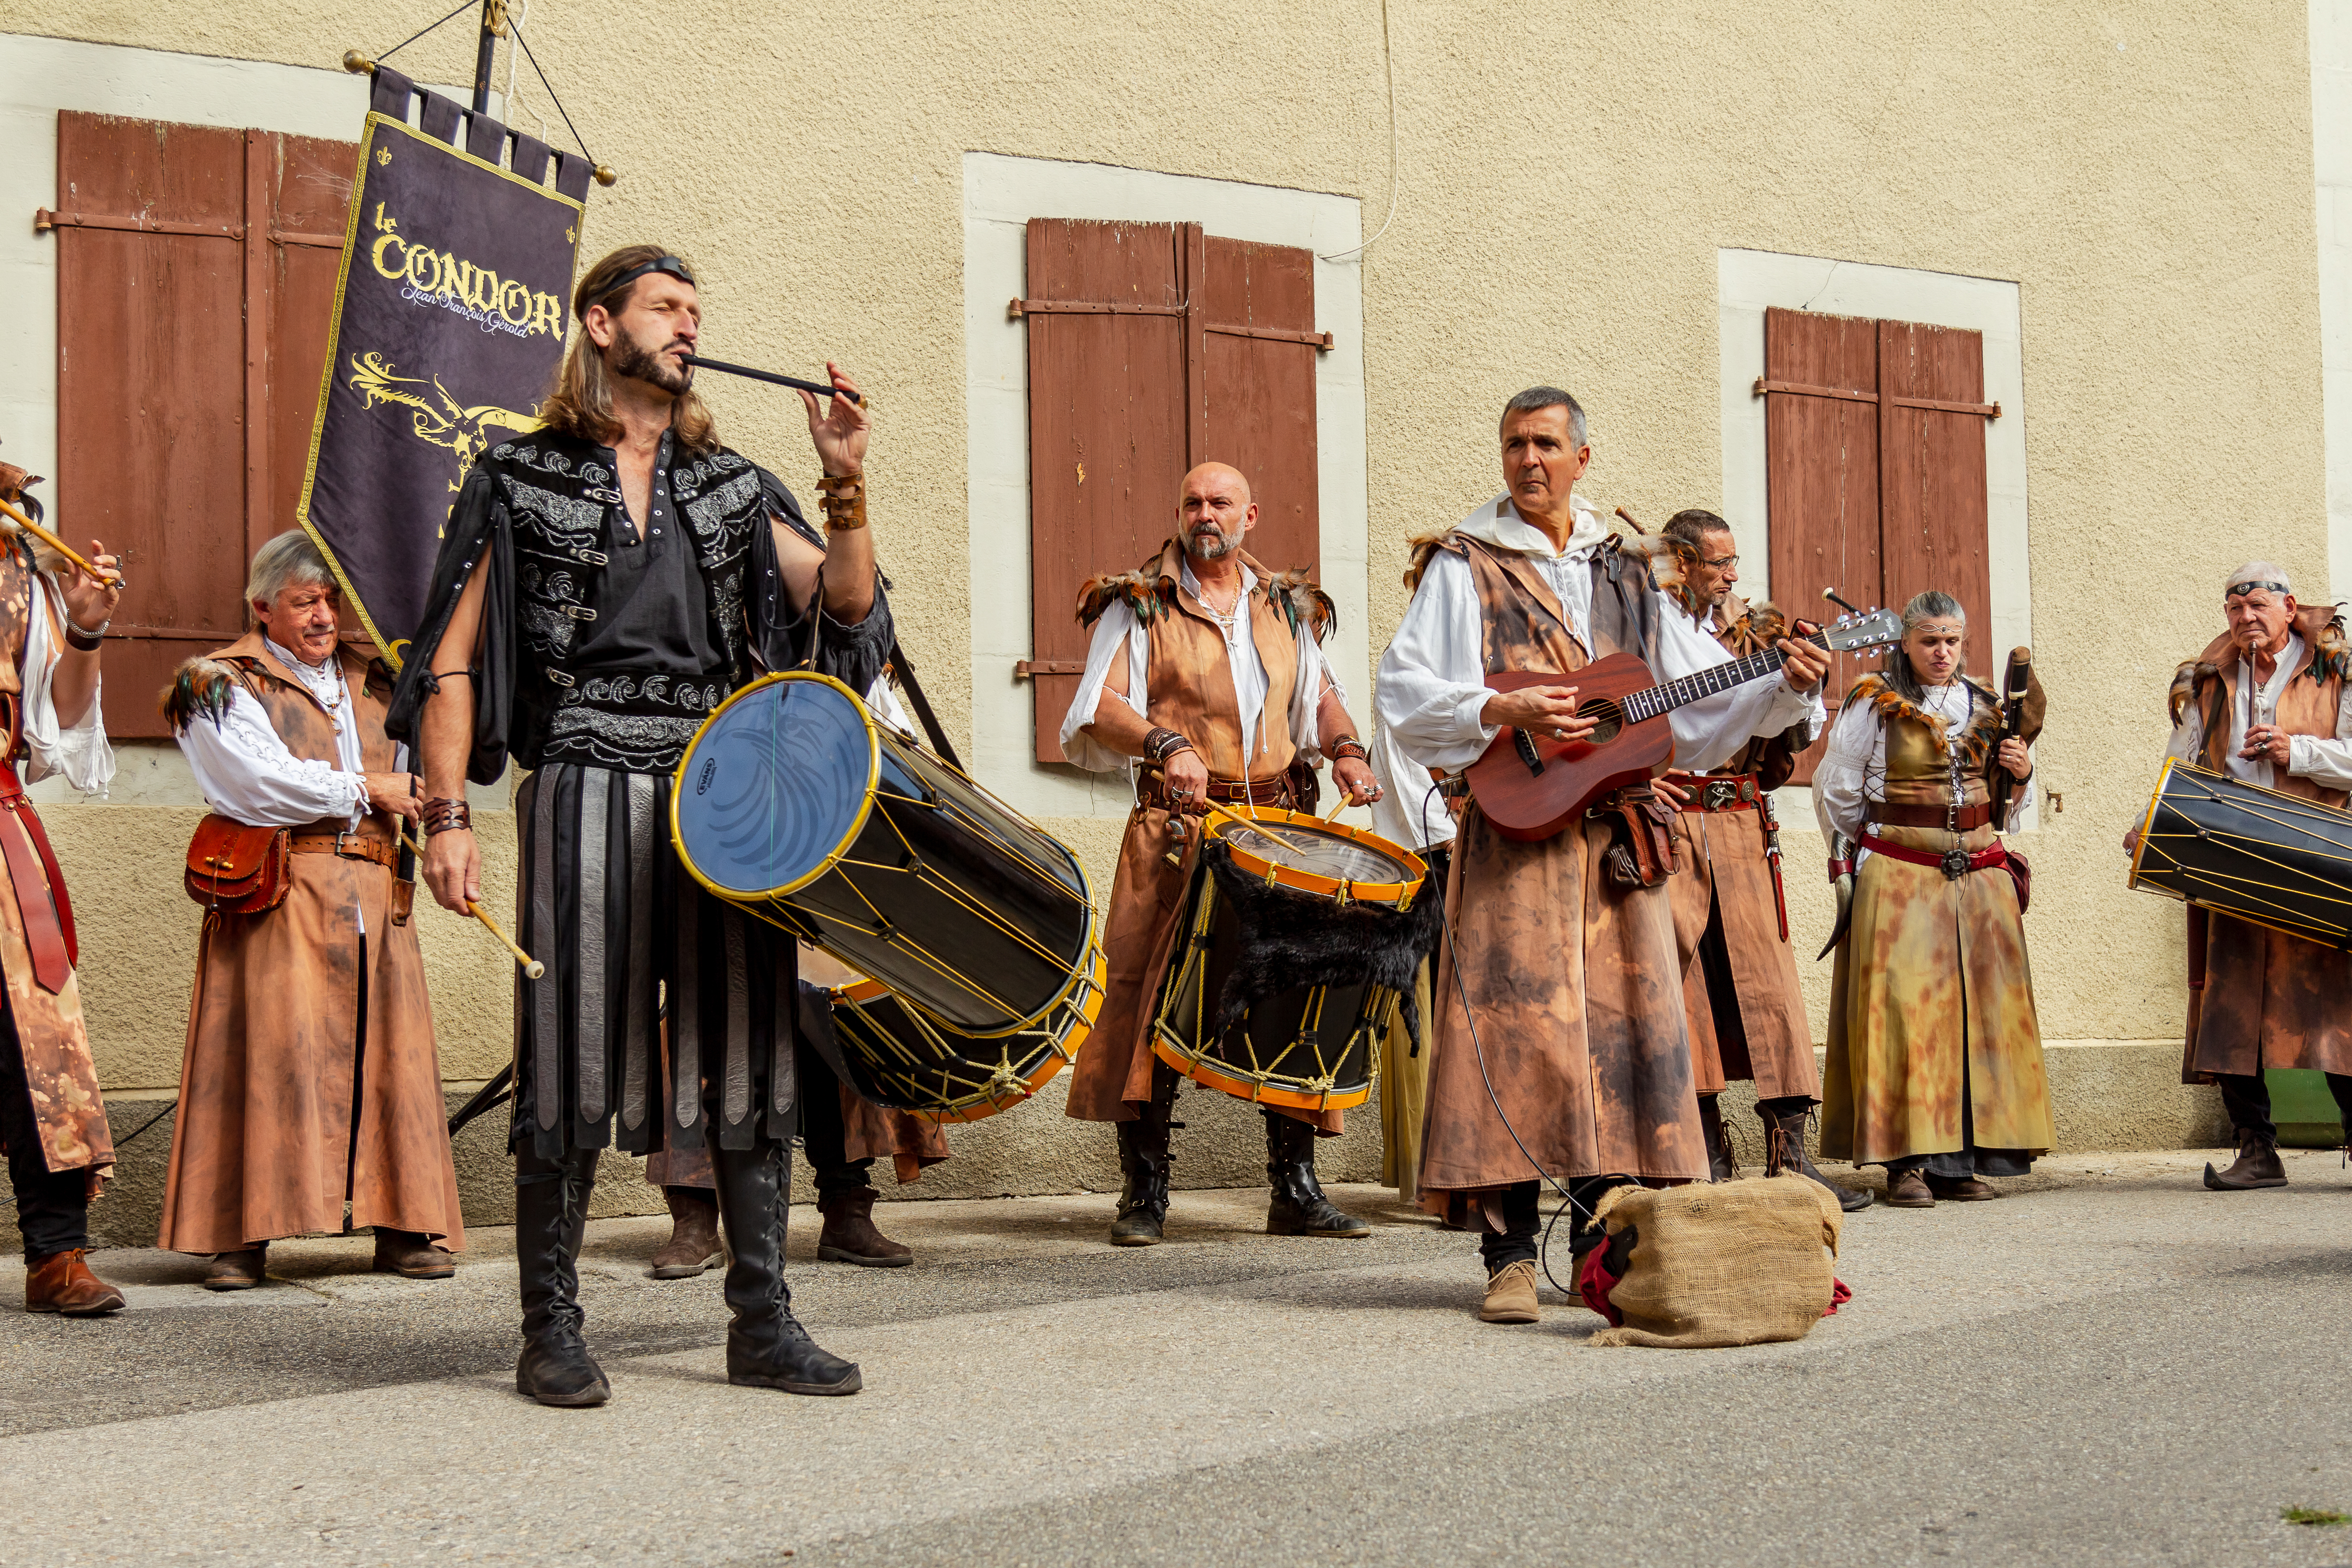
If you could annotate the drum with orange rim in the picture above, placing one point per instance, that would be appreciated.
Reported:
(1313, 1045)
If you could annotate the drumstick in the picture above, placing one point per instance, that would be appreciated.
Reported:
(531, 967)
(62, 548)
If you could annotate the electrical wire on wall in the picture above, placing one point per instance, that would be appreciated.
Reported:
(514, 60)
(1388, 61)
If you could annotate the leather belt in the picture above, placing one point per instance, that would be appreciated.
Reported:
(40, 888)
(1954, 863)
(349, 845)
(1151, 789)
(1718, 792)
(1969, 817)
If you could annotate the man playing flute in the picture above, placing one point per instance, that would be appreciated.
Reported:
(604, 585)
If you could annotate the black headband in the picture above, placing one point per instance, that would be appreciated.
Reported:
(669, 264)
(2237, 590)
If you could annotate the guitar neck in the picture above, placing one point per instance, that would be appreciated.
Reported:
(1667, 696)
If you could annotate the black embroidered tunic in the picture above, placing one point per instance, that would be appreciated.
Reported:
(609, 650)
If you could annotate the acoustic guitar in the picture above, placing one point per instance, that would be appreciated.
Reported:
(1530, 787)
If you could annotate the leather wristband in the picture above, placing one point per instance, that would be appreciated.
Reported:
(1348, 747)
(83, 641)
(1161, 744)
(843, 496)
(443, 816)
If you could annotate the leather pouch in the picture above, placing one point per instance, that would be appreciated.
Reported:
(1642, 852)
(235, 869)
(2022, 875)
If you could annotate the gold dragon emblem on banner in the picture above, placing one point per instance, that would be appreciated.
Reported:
(440, 419)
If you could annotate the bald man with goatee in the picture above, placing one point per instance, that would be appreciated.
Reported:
(1205, 681)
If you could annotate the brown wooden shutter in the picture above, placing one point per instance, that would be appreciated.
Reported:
(1153, 347)
(1875, 466)
(195, 281)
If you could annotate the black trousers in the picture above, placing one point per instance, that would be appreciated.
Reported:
(2247, 1097)
(52, 1206)
(1518, 1241)
(824, 1132)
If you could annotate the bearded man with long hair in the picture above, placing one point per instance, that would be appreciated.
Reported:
(604, 583)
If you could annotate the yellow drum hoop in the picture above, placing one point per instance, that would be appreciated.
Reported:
(1340, 890)
(807, 926)
(1007, 1088)
(833, 858)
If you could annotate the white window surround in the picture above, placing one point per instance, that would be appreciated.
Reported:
(45, 76)
(2331, 149)
(1749, 282)
(1000, 194)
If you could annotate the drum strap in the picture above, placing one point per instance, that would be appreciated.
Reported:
(905, 668)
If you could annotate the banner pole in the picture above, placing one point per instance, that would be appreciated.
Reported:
(494, 26)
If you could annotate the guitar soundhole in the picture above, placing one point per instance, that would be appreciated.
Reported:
(1612, 717)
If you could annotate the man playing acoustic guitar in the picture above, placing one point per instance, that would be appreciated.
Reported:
(1560, 985)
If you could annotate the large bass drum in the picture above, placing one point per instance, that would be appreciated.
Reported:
(2253, 854)
(1295, 900)
(794, 804)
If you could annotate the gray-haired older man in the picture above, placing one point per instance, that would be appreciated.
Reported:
(310, 1089)
(2268, 702)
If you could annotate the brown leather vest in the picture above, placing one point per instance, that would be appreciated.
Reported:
(305, 726)
(1521, 623)
(1191, 682)
(2306, 707)
(19, 601)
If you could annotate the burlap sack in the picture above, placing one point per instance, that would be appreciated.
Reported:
(1726, 1263)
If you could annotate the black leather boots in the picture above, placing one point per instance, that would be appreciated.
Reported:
(1299, 1207)
(550, 1206)
(1143, 1163)
(766, 1346)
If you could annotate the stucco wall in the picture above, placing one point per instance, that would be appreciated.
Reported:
(2144, 175)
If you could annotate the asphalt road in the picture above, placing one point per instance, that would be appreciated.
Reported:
(2109, 1365)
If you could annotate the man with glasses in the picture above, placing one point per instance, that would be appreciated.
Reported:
(1740, 989)
(2268, 702)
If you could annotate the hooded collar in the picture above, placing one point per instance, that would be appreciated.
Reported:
(1499, 523)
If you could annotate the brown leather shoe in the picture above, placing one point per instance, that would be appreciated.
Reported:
(850, 1236)
(2257, 1165)
(1511, 1295)
(1967, 1190)
(239, 1270)
(62, 1283)
(409, 1255)
(1908, 1190)
(693, 1244)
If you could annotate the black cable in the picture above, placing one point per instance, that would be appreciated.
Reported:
(1543, 1249)
(462, 5)
(517, 30)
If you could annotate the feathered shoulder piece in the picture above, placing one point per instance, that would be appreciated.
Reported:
(1670, 561)
(1302, 603)
(1758, 626)
(1147, 592)
(1984, 715)
(2331, 655)
(201, 689)
(2192, 674)
(1420, 548)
